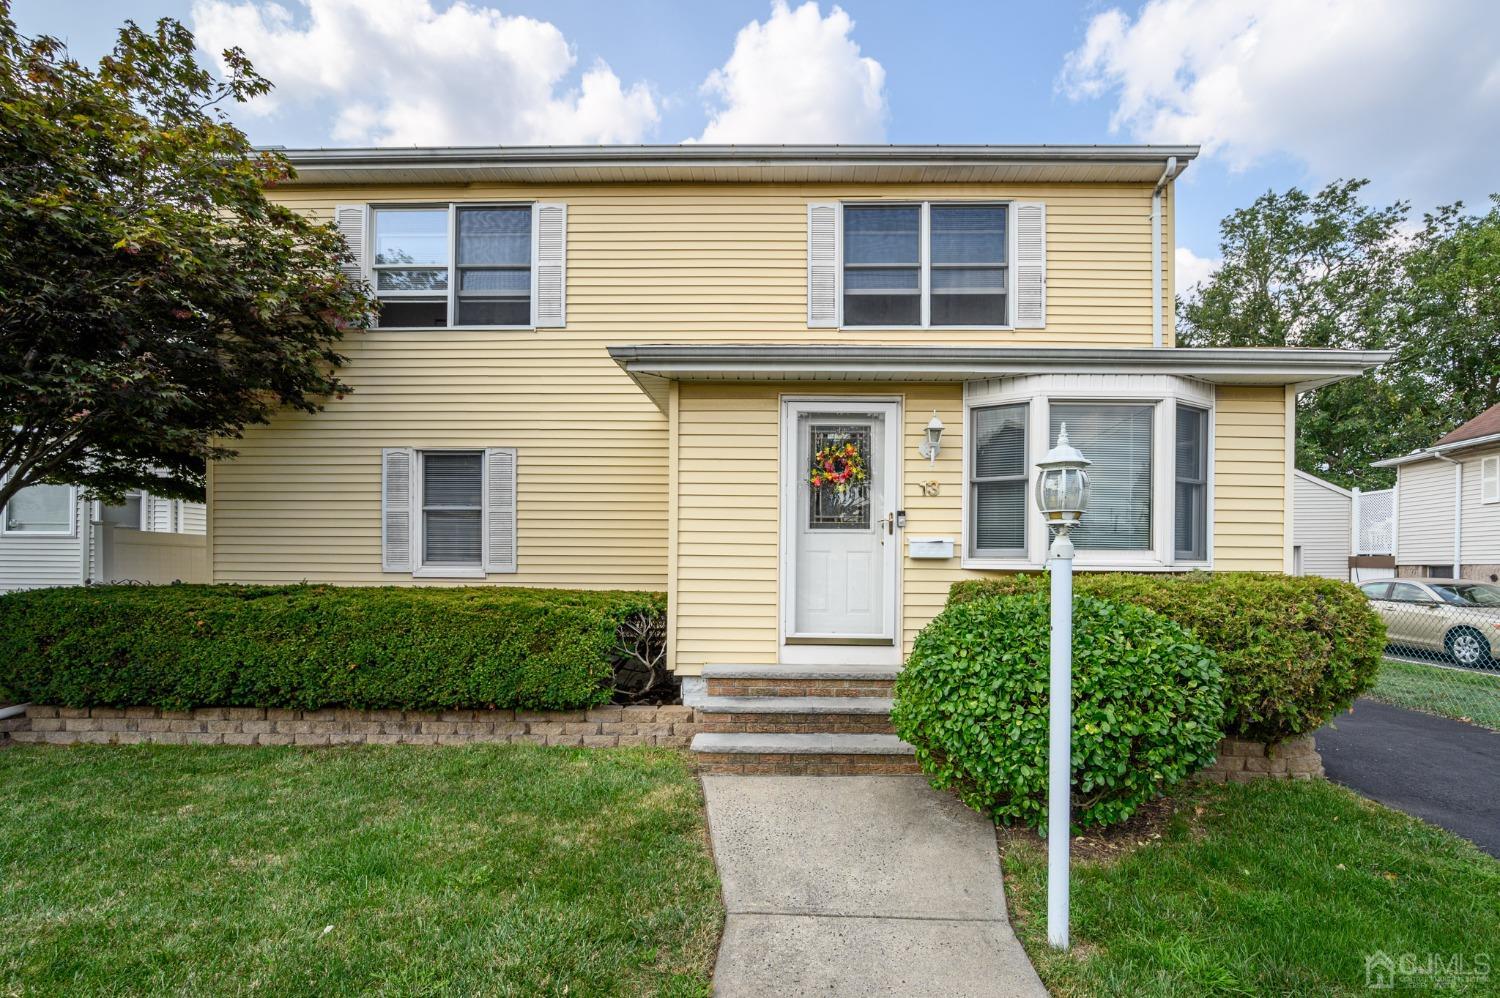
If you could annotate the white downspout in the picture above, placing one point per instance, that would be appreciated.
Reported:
(1156, 309)
(1458, 514)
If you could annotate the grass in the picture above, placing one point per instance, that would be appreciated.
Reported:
(469, 870)
(1266, 888)
(1467, 696)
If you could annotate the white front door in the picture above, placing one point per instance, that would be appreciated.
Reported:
(842, 541)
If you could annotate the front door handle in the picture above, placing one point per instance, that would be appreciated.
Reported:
(890, 524)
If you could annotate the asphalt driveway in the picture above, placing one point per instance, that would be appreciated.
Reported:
(1440, 770)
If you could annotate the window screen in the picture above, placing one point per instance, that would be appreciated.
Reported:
(998, 479)
(968, 265)
(452, 508)
(1117, 439)
(1190, 517)
(882, 265)
(494, 266)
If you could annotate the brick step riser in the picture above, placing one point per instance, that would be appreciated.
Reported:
(800, 687)
(792, 764)
(796, 724)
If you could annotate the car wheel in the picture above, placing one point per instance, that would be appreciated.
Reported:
(1468, 647)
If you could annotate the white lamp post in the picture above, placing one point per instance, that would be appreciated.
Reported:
(1062, 492)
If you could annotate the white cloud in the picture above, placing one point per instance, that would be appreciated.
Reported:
(1191, 270)
(797, 77)
(1407, 93)
(401, 72)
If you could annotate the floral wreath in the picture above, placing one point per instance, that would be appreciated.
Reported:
(839, 465)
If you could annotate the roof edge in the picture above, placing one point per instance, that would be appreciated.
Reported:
(736, 155)
(1436, 451)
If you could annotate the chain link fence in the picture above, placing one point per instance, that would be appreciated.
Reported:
(1439, 623)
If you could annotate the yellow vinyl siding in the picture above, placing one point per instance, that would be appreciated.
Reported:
(646, 264)
(1250, 479)
(729, 512)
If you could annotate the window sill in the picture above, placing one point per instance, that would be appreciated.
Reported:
(1082, 565)
(38, 533)
(919, 329)
(455, 329)
(448, 573)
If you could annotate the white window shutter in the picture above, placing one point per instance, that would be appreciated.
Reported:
(350, 221)
(824, 272)
(1031, 265)
(397, 472)
(1489, 479)
(500, 509)
(549, 264)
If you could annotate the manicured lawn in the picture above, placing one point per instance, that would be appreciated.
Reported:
(474, 870)
(1469, 696)
(1261, 889)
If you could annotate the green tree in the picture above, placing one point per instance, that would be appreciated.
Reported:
(154, 303)
(1449, 321)
(1327, 270)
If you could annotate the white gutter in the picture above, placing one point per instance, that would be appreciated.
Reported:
(1156, 309)
(1458, 514)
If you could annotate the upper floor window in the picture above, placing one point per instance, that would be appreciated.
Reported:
(452, 265)
(926, 264)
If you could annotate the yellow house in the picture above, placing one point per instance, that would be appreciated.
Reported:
(623, 368)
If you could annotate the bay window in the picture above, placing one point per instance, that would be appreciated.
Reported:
(1148, 481)
(997, 500)
(1117, 438)
(926, 264)
(1190, 526)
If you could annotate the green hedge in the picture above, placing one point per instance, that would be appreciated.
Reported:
(312, 646)
(973, 702)
(1294, 650)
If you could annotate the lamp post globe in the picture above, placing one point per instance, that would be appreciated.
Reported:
(1062, 488)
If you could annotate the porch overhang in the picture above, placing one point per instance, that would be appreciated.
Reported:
(654, 366)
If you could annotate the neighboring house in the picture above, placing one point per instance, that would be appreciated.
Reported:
(1448, 504)
(613, 367)
(1322, 528)
(51, 536)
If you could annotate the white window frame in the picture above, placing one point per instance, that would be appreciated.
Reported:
(96, 513)
(371, 268)
(72, 531)
(420, 569)
(1489, 480)
(924, 254)
(1040, 392)
(971, 551)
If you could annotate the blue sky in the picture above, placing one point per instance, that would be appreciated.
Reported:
(1279, 92)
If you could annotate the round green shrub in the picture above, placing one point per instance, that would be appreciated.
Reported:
(1295, 650)
(973, 700)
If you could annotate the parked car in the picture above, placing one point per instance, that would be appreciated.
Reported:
(1451, 616)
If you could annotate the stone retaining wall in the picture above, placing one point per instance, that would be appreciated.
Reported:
(1241, 761)
(599, 727)
(8, 725)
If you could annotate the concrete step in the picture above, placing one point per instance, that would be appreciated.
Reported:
(793, 705)
(794, 715)
(800, 680)
(822, 754)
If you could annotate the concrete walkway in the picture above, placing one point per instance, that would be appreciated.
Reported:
(859, 885)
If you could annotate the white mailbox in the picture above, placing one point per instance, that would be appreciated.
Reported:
(930, 547)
